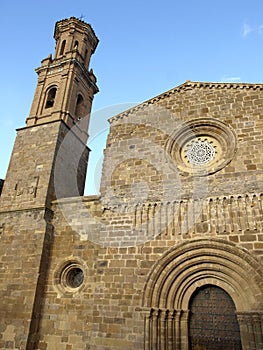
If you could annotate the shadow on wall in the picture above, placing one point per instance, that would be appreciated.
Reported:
(1, 185)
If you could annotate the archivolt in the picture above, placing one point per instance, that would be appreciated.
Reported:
(193, 264)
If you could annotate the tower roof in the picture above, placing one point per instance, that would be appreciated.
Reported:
(78, 24)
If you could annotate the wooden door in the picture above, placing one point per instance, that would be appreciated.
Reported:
(213, 323)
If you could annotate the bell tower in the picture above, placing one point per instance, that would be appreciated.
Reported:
(66, 86)
(55, 133)
(61, 106)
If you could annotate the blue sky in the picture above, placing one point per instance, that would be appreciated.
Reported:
(146, 47)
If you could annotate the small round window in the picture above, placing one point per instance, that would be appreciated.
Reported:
(70, 278)
(73, 277)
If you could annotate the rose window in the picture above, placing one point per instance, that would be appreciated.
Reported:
(202, 146)
(199, 152)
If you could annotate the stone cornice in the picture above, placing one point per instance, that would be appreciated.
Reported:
(188, 85)
(80, 24)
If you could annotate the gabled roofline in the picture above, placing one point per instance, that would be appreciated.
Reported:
(187, 85)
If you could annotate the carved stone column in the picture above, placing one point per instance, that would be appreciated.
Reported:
(163, 330)
(171, 330)
(147, 328)
(251, 330)
(184, 330)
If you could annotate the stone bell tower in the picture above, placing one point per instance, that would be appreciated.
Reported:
(56, 132)
(66, 86)
(62, 101)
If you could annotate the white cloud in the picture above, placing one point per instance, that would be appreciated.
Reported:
(247, 29)
(229, 79)
(260, 29)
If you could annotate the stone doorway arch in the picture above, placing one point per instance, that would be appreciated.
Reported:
(175, 278)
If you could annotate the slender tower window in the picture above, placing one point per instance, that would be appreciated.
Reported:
(86, 58)
(79, 107)
(51, 97)
(76, 44)
(62, 49)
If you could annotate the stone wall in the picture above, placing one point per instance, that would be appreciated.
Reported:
(24, 236)
(144, 143)
(152, 202)
(108, 310)
(118, 271)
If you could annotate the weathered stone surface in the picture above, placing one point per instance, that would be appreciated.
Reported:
(119, 271)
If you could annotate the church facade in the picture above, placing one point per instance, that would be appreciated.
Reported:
(170, 254)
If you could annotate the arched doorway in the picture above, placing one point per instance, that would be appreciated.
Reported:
(213, 322)
(182, 273)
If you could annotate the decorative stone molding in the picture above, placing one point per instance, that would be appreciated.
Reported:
(188, 85)
(163, 328)
(181, 271)
(251, 326)
(202, 146)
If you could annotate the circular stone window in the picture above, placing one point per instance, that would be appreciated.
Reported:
(199, 151)
(202, 146)
(70, 278)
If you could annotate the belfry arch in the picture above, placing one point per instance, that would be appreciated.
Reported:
(174, 279)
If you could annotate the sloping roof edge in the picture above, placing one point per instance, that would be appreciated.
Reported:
(188, 85)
